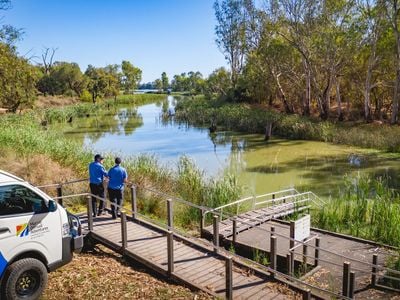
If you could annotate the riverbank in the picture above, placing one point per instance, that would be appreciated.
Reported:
(244, 118)
(26, 136)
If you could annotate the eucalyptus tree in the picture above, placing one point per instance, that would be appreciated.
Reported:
(18, 79)
(131, 76)
(231, 34)
(164, 81)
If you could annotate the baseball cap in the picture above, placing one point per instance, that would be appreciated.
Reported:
(98, 157)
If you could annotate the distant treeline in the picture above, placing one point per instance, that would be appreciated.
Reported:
(321, 56)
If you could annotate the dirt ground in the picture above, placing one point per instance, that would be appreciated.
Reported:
(102, 274)
(55, 101)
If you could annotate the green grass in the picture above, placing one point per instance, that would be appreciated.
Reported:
(25, 136)
(366, 208)
(241, 117)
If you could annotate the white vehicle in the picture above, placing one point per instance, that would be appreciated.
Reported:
(37, 235)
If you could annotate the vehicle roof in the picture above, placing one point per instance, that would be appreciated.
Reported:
(7, 177)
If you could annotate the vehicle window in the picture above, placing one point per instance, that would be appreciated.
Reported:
(17, 199)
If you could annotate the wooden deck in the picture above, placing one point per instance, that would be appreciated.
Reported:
(193, 265)
(254, 218)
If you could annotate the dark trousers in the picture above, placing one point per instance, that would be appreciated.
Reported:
(98, 190)
(115, 198)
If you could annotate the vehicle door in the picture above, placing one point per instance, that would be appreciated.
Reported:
(26, 224)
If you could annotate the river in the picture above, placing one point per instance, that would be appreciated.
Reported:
(260, 166)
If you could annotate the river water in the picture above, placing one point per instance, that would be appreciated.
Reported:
(260, 166)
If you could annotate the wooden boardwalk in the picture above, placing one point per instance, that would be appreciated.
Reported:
(254, 218)
(193, 265)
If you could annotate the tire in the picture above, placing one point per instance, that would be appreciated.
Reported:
(25, 279)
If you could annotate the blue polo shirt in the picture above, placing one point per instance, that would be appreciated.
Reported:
(96, 172)
(117, 176)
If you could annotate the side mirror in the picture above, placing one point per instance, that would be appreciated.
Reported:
(52, 206)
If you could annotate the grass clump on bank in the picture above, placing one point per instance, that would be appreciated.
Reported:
(24, 135)
(242, 117)
(367, 208)
(62, 114)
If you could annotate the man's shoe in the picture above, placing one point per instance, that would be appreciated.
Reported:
(99, 213)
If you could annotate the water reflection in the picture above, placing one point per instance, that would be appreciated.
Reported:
(260, 166)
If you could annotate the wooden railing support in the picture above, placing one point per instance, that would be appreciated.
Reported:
(228, 278)
(202, 222)
(291, 243)
(90, 213)
(291, 263)
(352, 284)
(272, 230)
(273, 249)
(170, 250)
(316, 251)
(346, 279)
(134, 202)
(216, 233)
(170, 214)
(288, 264)
(59, 195)
(124, 233)
(305, 252)
(234, 230)
(374, 269)
(306, 294)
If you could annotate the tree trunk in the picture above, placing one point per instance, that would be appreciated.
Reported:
(307, 99)
(396, 96)
(339, 100)
(288, 109)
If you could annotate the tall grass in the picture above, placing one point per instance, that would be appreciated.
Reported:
(25, 136)
(366, 208)
(241, 117)
(62, 114)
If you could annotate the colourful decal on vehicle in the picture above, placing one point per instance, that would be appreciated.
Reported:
(22, 230)
(3, 264)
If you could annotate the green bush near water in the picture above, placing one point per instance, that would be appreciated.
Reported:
(242, 117)
(24, 135)
(367, 208)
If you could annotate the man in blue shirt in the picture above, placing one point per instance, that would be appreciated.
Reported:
(118, 177)
(97, 173)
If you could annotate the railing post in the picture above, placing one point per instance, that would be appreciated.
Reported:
(273, 249)
(316, 251)
(90, 213)
(346, 279)
(228, 278)
(291, 263)
(170, 249)
(288, 264)
(124, 234)
(292, 225)
(201, 222)
(254, 203)
(216, 233)
(273, 199)
(134, 202)
(272, 230)
(374, 269)
(306, 294)
(234, 230)
(59, 195)
(170, 214)
(352, 284)
(305, 257)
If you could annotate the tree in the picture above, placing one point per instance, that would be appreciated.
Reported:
(131, 76)
(9, 34)
(18, 79)
(158, 84)
(230, 31)
(97, 84)
(165, 81)
(218, 83)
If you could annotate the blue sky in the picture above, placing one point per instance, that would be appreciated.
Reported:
(156, 35)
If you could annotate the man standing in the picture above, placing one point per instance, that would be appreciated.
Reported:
(118, 177)
(97, 173)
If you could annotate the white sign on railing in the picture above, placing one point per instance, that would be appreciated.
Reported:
(302, 228)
